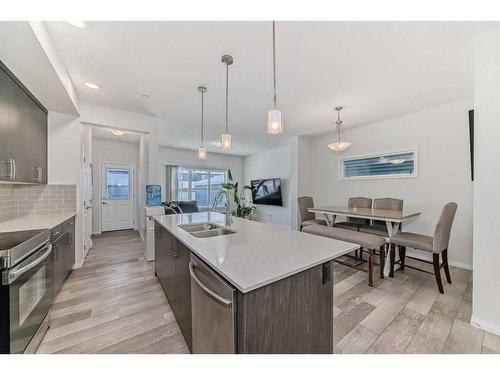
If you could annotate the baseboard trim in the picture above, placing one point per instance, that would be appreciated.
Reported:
(461, 265)
(485, 325)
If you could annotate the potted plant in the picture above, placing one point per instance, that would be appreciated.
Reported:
(244, 208)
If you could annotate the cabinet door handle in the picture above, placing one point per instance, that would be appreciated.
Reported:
(12, 174)
(173, 247)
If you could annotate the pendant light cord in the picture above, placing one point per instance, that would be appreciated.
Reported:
(339, 124)
(202, 92)
(274, 62)
(227, 98)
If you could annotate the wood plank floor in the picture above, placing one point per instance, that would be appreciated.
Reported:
(115, 304)
(406, 314)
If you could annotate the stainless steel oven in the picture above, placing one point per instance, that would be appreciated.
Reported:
(25, 294)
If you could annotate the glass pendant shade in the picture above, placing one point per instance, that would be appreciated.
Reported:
(339, 146)
(202, 153)
(226, 141)
(274, 122)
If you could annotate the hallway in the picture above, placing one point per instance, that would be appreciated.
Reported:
(113, 304)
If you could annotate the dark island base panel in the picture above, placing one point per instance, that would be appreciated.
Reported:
(292, 315)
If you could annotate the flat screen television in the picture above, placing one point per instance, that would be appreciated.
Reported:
(267, 191)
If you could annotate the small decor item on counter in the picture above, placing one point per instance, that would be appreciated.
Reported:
(153, 195)
(244, 208)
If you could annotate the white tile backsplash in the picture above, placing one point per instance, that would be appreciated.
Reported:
(21, 200)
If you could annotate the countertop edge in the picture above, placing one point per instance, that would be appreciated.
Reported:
(46, 222)
(264, 282)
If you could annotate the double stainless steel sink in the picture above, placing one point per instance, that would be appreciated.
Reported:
(206, 230)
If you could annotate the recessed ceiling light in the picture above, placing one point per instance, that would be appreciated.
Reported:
(91, 85)
(118, 132)
(145, 96)
(79, 24)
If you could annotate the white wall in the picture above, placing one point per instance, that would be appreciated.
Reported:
(277, 163)
(486, 275)
(104, 151)
(65, 165)
(441, 136)
(142, 181)
(189, 158)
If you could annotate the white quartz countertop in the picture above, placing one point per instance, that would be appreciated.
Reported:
(34, 222)
(257, 254)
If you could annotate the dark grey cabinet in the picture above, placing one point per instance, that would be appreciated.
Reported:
(63, 252)
(172, 270)
(23, 132)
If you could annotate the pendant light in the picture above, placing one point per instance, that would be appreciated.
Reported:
(339, 145)
(226, 142)
(202, 151)
(274, 117)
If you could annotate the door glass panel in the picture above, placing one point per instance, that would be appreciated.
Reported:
(117, 184)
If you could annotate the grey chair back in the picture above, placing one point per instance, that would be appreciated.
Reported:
(359, 202)
(305, 202)
(391, 204)
(443, 228)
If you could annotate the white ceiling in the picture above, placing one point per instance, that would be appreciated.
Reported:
(376, 70)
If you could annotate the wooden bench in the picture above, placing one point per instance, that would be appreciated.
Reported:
(368, 243)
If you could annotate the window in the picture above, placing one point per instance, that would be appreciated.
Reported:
(199, 185)
(389, 165)
(117, 181)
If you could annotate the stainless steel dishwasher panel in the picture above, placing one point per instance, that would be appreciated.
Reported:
(213, 310)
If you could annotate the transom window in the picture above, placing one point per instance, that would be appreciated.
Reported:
(200, 185)
(389, 165)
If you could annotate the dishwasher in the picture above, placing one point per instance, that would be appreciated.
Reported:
(213, 310)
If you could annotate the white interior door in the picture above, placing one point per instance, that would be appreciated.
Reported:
(87, 208)
(117, 197)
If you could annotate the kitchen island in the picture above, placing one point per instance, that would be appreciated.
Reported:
(257, 288)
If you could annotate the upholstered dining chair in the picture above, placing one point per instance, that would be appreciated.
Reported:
(379, 227)
(355, 223)
(437, 245)
(306, 217)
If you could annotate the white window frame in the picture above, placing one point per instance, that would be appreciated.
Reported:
(190, 186)
(415, 173)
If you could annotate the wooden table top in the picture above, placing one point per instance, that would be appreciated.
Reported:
(367, 213)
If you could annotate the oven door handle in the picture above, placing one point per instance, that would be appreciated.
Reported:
(19, 270)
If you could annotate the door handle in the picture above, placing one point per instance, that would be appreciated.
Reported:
(104, 203)
(214, 296)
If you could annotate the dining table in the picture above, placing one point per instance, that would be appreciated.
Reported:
(392, 218)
